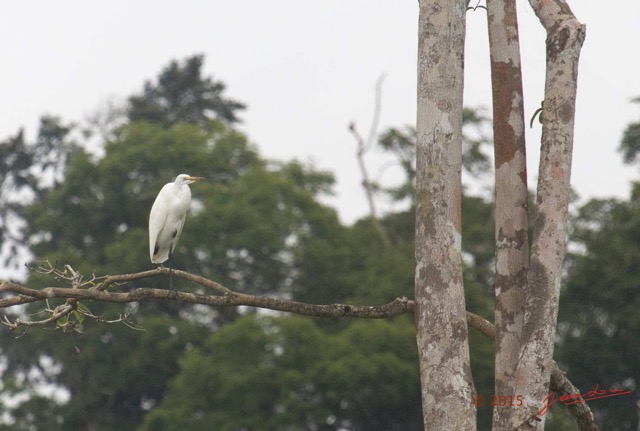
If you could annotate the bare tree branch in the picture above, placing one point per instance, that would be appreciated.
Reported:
(580, 411)
(221, 296)
(363, 147)
(377, 107)
(224, 297)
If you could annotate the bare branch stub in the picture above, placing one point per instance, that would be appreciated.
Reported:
(362, 148)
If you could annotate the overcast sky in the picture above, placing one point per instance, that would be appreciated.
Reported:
(306, 69)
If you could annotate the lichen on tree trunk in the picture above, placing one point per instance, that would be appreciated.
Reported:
(442, 335)
(565, 36)
(511, 196)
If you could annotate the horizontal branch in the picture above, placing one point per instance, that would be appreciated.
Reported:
(224, 296)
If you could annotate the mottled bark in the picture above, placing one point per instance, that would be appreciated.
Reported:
(565, 36)
(511, 195)
(442, 334)
(581, 412)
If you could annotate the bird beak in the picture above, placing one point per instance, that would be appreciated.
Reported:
(194, 179)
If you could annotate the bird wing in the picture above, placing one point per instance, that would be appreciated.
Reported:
(177, 230)
(157, 219)
(168, 236)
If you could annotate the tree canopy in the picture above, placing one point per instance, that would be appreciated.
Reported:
(183, 95)
(599, 321)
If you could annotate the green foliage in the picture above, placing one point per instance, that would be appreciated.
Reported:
(474, 142)
(25, 165)
(36, 413)
(247, 228)
(599, 314)
(16, 157)
(251, 211)
(112, 373)
(630, 144)
(256, 226)
(28, 170)
(183, 95)
(253, 219)
(284, 373)
(559, 419)
(400, 143)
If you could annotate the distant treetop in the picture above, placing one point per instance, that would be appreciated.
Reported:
(182, 94)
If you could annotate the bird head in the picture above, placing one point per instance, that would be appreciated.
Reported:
(187, 179)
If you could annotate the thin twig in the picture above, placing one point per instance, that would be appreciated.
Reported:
(363, 147)
(377, 107)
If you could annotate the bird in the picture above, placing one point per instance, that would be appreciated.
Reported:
(166, 219)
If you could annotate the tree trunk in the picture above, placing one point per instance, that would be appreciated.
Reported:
(565, 36)
(442, 335)
(511, 198)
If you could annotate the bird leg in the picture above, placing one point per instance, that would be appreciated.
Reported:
(170, 271)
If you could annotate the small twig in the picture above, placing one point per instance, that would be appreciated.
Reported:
(377, 107)
(124, 319)
(362, 148)
(476, 6)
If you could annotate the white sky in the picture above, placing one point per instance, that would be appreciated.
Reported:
(306, 69)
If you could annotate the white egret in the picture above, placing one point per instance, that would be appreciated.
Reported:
(166, 219)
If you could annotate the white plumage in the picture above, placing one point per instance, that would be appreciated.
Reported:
(167, 216)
